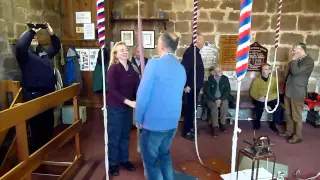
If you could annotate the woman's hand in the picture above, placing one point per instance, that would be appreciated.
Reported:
(130, 103)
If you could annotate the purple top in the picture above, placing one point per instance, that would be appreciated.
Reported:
(122, 84)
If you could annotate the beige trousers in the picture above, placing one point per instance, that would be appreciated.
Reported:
(214, 112)
(293, 111)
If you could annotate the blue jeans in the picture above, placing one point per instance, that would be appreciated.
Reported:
(155, 151)
(119, 126)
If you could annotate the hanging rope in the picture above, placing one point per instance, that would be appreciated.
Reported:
(195, 28)
(241, 68)
(274, 64)
(101, 38)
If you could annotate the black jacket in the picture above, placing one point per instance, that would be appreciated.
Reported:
(224, 88)
(134, 63)
(36, 67)
(188, 63)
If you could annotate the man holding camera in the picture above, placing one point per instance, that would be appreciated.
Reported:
(299, 71)
(38, 79)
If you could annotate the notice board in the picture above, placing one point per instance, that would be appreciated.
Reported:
(228, 52)
(258, 56)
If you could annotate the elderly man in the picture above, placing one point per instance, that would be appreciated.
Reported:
(38, 79)
(188, 63)
(136, 59)
(299, 71)
(218, 93)
(158, 108)
(258, 91)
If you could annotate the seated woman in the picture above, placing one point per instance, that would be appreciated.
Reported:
(258, 92)
(123, 82)
(218, 94)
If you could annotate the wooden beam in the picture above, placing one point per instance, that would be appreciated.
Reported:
(3, 95)
(53, 163)
(22, 143)
(25, 168)
(13, 86)
(11, 153)
(68, 173)
(31, 108)
(10, 160)
(76, 117)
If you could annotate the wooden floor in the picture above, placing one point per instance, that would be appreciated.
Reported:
(304, 156)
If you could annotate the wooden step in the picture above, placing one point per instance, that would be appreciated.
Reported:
(86, 171)
(195, 169)
(39, 176)
(99, 172)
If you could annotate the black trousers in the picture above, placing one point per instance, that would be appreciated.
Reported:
(189, 111)
(41, 126)
(277, 115)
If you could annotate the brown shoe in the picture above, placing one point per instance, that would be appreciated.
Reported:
(286, 135)
(214, 133)
(294, 140)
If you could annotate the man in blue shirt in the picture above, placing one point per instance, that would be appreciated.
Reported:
(158, 108)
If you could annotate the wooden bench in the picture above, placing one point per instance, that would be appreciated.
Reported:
(16, 117)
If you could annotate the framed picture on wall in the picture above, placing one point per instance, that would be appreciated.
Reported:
(127, 37)
(148, 39)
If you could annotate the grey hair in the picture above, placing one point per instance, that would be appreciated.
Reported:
(170, 40)
(301, 45)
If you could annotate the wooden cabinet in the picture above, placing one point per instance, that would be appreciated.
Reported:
(69, 37)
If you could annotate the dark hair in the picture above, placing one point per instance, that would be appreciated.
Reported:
(301, 45)
(170, 40)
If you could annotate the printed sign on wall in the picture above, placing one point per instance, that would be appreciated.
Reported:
(257, 56)
(88, 59)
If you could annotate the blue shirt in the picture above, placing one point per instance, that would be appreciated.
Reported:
(159, 96)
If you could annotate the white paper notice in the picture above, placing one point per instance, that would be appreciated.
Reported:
(89, 32)
(83, 17)
(93, 58)
(84, 59)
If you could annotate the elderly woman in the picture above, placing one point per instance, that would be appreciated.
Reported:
(123, 82)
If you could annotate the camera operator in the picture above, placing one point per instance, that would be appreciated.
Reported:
(38, 79)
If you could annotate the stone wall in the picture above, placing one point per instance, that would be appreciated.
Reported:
(300, 23)
(14, 14)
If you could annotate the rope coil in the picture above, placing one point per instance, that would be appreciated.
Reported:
(274, 64)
